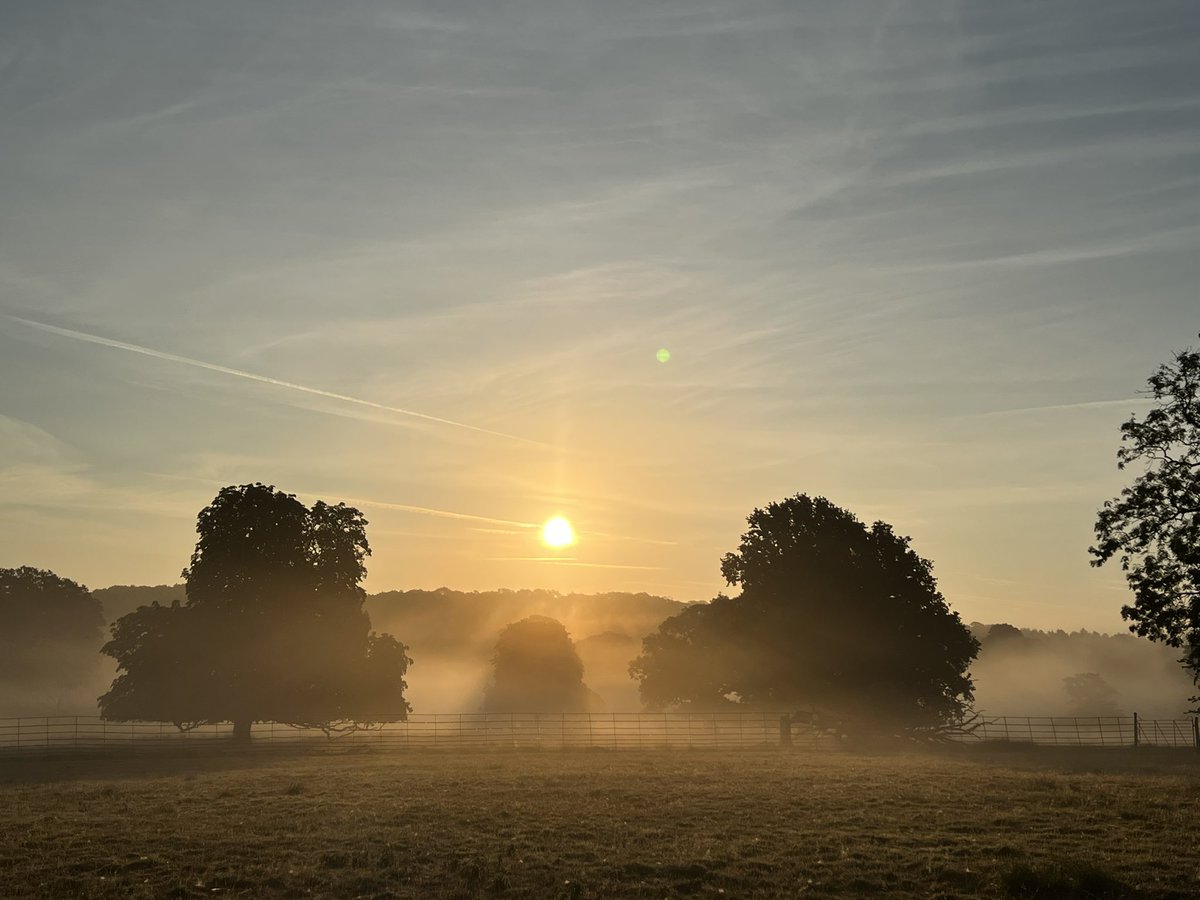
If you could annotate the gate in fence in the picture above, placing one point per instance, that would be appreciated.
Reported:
(1090, 731)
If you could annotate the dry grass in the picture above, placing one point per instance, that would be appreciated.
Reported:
(579, 824)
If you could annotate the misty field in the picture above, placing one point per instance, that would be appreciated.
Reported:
(575, 824)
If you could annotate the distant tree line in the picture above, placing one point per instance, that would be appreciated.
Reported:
(50, 629)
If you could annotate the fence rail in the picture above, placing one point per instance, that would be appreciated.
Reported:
(735, 730)
(1090, 731)
(618, 730)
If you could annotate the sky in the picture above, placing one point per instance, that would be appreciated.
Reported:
(916, 257)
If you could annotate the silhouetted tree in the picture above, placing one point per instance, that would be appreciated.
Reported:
(50, 628)
(537, 670)
(1153, 527)
(1001, 632)
(273, 628)
(1090, 695)
(832, 615)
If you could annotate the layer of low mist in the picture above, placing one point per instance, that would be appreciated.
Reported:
(1023, 672)
(51, 631)
(452, 638)
(69, 679)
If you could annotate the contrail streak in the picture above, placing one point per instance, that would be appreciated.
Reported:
(440, 513)
(630, 537)
(378, 504)
(571, 561)
(588, 565)
(1057, 407)
(262, 379)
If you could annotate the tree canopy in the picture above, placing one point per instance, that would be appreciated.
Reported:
(1001, 632)
(833, 615)
(1090, 695)
(537, 670)
(1153, 527)
(273, 627)
(50, 628)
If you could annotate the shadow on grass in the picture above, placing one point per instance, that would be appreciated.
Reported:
(1096, 760)
(1072, 881)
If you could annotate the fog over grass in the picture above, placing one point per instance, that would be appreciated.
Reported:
(1023, 676)
(452, 636)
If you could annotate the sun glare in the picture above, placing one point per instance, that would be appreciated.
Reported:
(557, 532)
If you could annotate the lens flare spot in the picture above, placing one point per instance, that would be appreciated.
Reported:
(557, 532)
(663, 355)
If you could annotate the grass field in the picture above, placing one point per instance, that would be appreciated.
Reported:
(964, 822)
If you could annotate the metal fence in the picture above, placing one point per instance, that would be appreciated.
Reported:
(429, 730)
(730, 730)
(1090, 731)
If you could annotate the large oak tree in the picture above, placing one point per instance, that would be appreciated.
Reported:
(833, 616)
(273, 628)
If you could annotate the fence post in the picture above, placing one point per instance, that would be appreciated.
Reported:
(1196, 733)
(785, 730)
(1136, 739)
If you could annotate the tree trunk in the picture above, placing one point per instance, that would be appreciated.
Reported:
(241, 731)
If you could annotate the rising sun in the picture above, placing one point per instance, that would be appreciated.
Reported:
(557, 532)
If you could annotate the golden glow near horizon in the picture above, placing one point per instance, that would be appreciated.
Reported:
(464, 385)
(557, 532)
